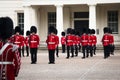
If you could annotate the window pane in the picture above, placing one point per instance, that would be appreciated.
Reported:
(21, 21)
(52, 19)
(113, 21)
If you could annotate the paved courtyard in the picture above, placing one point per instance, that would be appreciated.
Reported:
(92, 68)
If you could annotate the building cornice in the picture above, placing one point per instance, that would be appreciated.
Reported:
(67, 2)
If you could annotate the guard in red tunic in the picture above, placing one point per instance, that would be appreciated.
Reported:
(63, 41)
(84, 42)
(69, 42)
(77, 42)
(90, 43)
(17, 38)
(94, 41)
(111, 42)
(22, 44)
(51, 44)
(106, 43)
(27, 42)
(57, 48)
(9, 55)
(34, 44)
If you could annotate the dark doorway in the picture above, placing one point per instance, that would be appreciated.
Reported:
(80, 24)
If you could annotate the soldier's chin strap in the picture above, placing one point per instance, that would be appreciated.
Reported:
(3, 48)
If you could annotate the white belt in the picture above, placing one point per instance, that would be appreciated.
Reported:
(69, 40)
(17, 42)
(51, 42)
(33, 41)
(84, 40)
(6, 62)
(106, 40)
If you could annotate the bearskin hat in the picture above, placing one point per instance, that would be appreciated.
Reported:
(93, 31)
(63, 33)
(51, 29)
(56, 31)
(27, 33)
(69, 31)
(6, 27)
(33, 29)
(89, 31)
(106, 30)
(77, 33)
(72, 31)
(17, 29)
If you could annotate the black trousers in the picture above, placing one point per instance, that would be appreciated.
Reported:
(89, 50)
(63, 48)
(76, 50)
(112, 48)
(22, 49)
(27, 50)
(33, 52)
(57, 51)
(51, 56)
(19, 49)
(84, 51)
(94, 49)
(68, 51)
(106, 51)
(79, 47)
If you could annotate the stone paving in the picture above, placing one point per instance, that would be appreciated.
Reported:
(92, 68)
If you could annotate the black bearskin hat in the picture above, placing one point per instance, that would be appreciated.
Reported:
(33, 29)
(27, 33)
(77, 33)
(56, 31)
(69, 31)
(72, 31)
(6, 28)
(63, 33)
(93, 31)
(89, 31)
(51, 29)
(106, 30)
(17, 29)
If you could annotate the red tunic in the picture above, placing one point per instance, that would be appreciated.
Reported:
(23, 40)
(51, 41)
(69, 40)
(111, 39)
(9, 62)
(34, 41)
(63, 40)
(17, 39)
(78, 40)
(106, 40)
(90, 40)
(94, 39)
(26, 41)
(57, 38)
(84, 40)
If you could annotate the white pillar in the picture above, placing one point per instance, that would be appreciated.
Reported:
(27, 18)
(34, 18)
(59, 16)
(92, 16)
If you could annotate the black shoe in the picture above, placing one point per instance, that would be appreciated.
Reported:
(67, 57)
(83, 57)
(51, 63)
